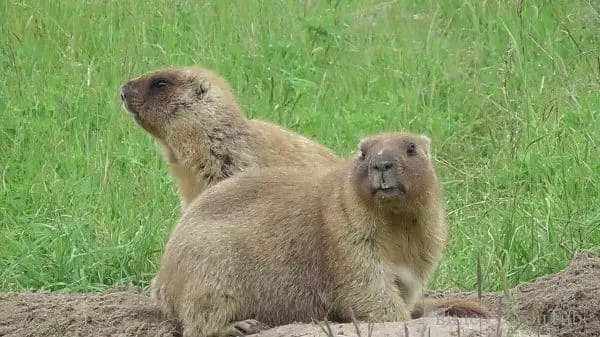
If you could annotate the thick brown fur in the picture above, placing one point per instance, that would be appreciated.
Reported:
(278, 245)
(194, 114)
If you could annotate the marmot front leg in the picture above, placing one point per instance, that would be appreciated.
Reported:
(379, 305)
(207, 327)
(212, 315)
(237, 329)
(243, 328)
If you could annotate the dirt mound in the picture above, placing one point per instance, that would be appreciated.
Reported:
(564, 305)
(119, 312)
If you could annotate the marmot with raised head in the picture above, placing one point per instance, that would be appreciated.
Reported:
(194, 114)
(290, 244)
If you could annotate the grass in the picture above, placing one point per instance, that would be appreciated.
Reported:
(507, 90)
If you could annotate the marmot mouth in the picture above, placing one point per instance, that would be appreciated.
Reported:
(125, 102)
(389, 192)
(128, 108)
(135, 115)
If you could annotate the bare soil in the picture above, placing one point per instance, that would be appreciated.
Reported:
(565, 304)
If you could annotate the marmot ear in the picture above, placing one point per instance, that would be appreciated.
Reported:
(426, 144)
(362, 147)
(203, 88)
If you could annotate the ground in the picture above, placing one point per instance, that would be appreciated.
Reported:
(506, 90)
(563, 305)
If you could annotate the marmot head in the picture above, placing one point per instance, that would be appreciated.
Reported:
(395, 170)
(193, 96)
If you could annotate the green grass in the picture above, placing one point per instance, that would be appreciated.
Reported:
(509, 92)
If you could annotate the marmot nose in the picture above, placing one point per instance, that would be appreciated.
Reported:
(125, 91)
(383, 165)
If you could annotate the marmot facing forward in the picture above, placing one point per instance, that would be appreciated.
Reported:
(193, 113)
(282, 245)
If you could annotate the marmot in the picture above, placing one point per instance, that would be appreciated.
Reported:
(278, 245)
(194, 114)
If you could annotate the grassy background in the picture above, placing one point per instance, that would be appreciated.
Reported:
(509, 92)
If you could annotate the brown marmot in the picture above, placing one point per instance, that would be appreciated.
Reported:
(278, 245)
(194, 114)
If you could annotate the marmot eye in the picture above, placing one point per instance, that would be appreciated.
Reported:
(411, 149)
(362, 154)
(159, 83)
